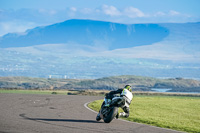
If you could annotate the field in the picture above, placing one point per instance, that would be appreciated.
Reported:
(173, 112)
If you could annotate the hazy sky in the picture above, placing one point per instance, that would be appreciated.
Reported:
(20, 15)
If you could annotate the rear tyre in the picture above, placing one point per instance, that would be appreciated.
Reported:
(111, 115)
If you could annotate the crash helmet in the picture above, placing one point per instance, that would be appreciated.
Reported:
(128, 87)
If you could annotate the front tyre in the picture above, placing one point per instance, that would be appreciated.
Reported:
(111, 115)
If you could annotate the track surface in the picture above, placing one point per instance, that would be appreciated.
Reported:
(27, 113)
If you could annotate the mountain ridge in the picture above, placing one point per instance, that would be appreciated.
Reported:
(88, 32)
(174, 55)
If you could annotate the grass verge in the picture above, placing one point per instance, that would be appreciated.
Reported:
(34, 91)
(173, 112)
(61, 92)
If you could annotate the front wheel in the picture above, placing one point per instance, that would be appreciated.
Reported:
(111, 115)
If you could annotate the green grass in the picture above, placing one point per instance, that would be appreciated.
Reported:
(61, 92)
(178, 113)
(33, 91)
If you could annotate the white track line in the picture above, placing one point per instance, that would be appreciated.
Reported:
(86, 106)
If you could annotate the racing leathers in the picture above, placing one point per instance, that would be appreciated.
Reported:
(123, 93)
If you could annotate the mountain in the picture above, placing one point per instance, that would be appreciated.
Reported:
(87, 32)
(181, 45)
(95, 49)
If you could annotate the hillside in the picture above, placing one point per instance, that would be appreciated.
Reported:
(89, 49)
(108, 83)
(88, 32)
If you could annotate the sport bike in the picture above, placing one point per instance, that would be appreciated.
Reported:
(109, 113)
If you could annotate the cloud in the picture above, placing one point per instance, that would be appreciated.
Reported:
(133, 12)
(159, 14)
(74, 9)
(15, 26)
(170, 13)
(47, 12)
(86, 11)
(130, 12)
(71, 12)
(173, 13)
(111, 10)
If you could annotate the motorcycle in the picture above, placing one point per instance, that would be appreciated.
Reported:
(109, 113)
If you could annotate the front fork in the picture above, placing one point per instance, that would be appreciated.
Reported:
(104, 111)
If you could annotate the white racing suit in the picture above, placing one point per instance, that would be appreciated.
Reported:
(128, 96)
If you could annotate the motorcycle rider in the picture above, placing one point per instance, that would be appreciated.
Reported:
(126, 92)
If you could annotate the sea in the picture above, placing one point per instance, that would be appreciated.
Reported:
(168, 89)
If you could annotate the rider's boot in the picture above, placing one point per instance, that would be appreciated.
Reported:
(98, 118)
(122, 114)
(117, 116)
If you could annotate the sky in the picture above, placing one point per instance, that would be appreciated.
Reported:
(20, 15)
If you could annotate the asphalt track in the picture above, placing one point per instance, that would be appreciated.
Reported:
(31, 113)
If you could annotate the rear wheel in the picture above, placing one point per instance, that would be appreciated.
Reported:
(111, 115)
